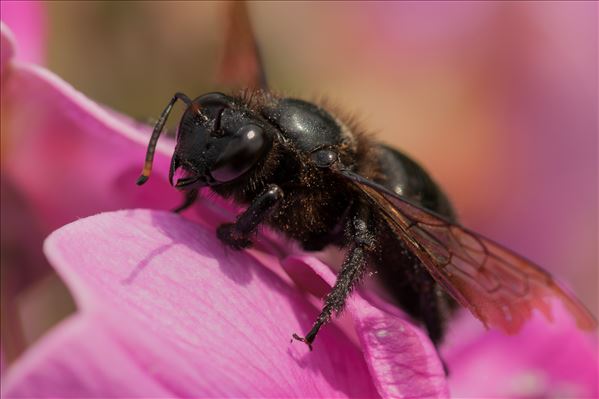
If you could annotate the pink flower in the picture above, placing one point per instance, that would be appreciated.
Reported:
(545, 360)
(165, 310)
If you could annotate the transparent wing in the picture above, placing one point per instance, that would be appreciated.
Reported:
(241, 64)
(498, 286)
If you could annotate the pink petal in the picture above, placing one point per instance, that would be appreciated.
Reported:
(170, 309)
(401, 358)
(69, 156)
(27, 19)
(7, 49)
(47, 372)
(545, 360)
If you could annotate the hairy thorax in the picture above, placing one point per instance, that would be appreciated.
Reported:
(314, 211)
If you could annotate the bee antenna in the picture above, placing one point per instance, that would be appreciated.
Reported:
(145, 174)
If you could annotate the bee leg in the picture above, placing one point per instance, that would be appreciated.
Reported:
(354, 265)
(236, 234)
(190, 198)
(434, 310)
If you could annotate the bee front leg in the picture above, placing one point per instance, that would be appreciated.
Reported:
(190, 198)
(362, 245)
(236, 235)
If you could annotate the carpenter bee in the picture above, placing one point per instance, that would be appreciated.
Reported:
(310, 173)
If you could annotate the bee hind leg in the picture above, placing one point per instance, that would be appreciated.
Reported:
(435, 309)
(352, 269)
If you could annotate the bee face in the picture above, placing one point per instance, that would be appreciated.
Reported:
(218, 141)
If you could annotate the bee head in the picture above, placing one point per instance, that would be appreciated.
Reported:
(218, 141)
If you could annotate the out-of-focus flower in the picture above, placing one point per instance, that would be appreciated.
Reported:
(27, 19)
(66, 174)
(52, 174)
(544, 360)
(165, 310)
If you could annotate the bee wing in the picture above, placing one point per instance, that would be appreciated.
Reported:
(240, 64)
(498, 286)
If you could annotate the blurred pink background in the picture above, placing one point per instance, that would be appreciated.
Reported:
(497, 100)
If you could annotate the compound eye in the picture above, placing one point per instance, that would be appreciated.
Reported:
(240, 153)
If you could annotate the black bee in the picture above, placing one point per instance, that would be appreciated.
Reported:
(312, 174)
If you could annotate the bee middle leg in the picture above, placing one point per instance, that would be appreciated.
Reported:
(362, 244)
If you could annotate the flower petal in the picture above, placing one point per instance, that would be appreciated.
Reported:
(167, 299)
(27, 19)
(402, 360)
(68, 155)
(7, 48)
(47, 372)
(545, 360)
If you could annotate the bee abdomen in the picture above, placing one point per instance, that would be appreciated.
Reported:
(405, 177)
